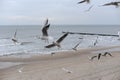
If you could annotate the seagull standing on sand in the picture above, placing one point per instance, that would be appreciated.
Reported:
(57, 43)
(88, 1)
(112, 3)
(14, 39)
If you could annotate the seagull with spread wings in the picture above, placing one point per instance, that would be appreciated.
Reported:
(107, 53)
(57, 43)
(45, 28)
(116, 4)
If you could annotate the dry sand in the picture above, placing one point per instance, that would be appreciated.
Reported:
(68, 65)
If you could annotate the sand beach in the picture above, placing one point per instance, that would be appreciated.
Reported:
(66, 65)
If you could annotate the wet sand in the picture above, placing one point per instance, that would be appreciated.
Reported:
(67, 65)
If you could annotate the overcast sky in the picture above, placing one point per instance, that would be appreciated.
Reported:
(34, 12)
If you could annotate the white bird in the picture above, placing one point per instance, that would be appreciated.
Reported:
(45, 31)
(98, 56)
(66, 70)
(116, 4)
(75, 48)
(96, 41)
(107, 53)
(57, 43)
(14, 39)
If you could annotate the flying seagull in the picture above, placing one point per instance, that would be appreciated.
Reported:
(107, 53)
(57, 43)
(89, 8)
(112, 3)
(45, 28)
(75, 48)
(98, 56)
(96, 41)
(14, 37)
(88, 1)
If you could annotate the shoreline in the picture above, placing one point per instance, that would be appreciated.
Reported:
(78, 62)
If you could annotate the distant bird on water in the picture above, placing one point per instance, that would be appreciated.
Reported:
(116, 4)
(88, 1)
(14, 39)
(57, 43)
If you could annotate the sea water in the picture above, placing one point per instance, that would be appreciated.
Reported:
(27, 34)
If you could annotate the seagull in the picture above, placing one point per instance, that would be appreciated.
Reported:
(52, 54)
(96, 41)
(66, 70)
(107, 53)
(112, 3)
(44, 31)
(89, 8)
(88, 1)
(57, 43)
(75, 48)
(14, 37)
(98, 56)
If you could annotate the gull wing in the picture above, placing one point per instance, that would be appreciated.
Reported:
(118, 2)
(93, 57)
(15, 34)
(89, 8)
(77, 45)
(99, 55)
(62, 37)
(46, 22)
(107, 53)
(81, 2)
(49, 46)
(108, 4)
(44, 30)
(88, 1)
